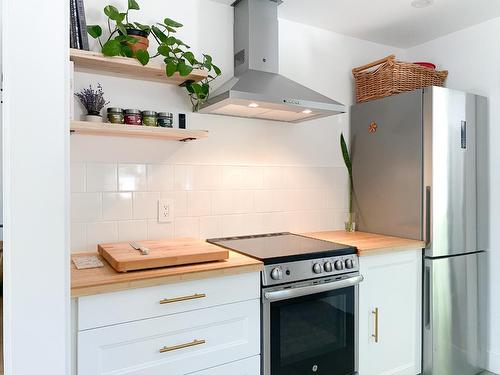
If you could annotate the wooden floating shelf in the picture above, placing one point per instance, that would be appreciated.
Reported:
(118, 130)
(129, 68)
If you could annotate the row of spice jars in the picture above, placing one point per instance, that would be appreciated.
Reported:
(137, 117)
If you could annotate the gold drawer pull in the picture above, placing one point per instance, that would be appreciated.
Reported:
(375, 334)
(180, 299)
(181, 346)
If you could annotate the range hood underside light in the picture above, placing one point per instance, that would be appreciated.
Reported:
(266, 110)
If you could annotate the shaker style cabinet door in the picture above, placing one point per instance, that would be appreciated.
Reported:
(390, 313)
(248, 366)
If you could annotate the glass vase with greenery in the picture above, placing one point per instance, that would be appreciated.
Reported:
(350, 224)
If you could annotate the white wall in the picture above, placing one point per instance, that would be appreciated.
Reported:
(275, 176)
(36, 186)
(472, 57)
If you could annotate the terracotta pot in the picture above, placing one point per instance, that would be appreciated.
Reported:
(141, 37)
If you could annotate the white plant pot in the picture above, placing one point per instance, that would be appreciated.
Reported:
(92, 118)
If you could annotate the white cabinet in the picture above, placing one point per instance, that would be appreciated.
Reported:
(390, 311)
(248, 366)
(133, 332)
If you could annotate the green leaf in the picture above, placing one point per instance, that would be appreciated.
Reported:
(95, 31)
(160, 35)
(112, 48)
(126, 51)
(112, 12)
(171, 41)
(142, 56)
(345, 154)
(142, 27)
(164, 50)
(217, 70)
(170, 22)
(208, 59)
(181, 43)
(122, 28)
(197, 89)
(132, 4)
(189, 87)
(121, 17)
(170, 29)
(189, 56)
(184, 69)
(205, 89)
(171, 68)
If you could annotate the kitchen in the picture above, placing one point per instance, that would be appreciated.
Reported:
(252, 176)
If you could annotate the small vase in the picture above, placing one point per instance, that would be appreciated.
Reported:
(93, 118)
(350, 222)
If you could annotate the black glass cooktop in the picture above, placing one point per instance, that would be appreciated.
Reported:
(282, 247)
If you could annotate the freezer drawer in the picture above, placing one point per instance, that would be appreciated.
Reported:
(453, 309)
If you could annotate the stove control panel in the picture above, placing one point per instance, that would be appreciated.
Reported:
(281, 273)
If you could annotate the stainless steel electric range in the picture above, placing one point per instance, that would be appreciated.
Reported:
(309, 303)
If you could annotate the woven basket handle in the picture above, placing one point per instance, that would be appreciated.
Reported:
(372, 64)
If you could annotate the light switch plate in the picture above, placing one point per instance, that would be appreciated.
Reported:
(165, 210)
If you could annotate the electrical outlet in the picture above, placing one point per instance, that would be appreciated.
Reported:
(165, 210)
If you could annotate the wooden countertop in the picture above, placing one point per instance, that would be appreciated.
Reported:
(106, 279)
(368, 243)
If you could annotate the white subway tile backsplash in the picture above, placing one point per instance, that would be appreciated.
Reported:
(210, 227)
(113, 201)
(158, 231)
(102, 232)
(145, 205)
(77, 177)
(187, 227)
(117, 206)
(132, 177)
(78, 237)
(133, 230)
(102, 177)
(270, 200)
(180, 202)
(237, 225)
(232, 202)
(86, 206)
(199, 203)
(160, 177)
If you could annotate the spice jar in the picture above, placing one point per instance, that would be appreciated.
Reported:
(133, 117)
(115, 115)
(149, 118)
(165, 119)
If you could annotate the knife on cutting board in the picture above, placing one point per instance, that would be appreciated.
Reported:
(142, 249)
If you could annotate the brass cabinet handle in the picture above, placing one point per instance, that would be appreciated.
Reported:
(375, 334)
(180, 299)
(181, 346)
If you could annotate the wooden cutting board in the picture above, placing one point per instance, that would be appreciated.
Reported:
(163, 253)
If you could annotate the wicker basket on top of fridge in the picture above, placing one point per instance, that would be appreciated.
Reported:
(391, 76)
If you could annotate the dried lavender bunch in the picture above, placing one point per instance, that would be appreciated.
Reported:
(93, 101)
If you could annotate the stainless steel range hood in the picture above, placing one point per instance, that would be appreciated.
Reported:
(257, 90)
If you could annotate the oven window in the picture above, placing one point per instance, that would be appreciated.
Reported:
(314, 334)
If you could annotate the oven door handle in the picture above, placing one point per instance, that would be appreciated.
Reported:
(279, 295)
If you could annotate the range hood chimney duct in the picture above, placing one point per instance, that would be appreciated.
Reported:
(257, 89)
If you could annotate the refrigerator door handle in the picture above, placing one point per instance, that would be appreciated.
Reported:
(427, 216)
(427, 297)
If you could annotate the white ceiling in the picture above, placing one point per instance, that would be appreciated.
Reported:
(391, 22)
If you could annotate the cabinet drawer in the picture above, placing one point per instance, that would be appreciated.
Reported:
(136, 304)
(248, 366)
(174, 345)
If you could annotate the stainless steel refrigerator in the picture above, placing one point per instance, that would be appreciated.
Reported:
(420, 171)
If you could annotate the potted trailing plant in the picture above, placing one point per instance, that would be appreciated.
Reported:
(350, 224)
(126, 38)
(178, 58)
(93, 101)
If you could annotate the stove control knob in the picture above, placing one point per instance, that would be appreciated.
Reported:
(349, 264)
(328, 267)
(339, 265)
(276, 273)
(317, 268)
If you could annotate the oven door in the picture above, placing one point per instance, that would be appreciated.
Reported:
(311, 327)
